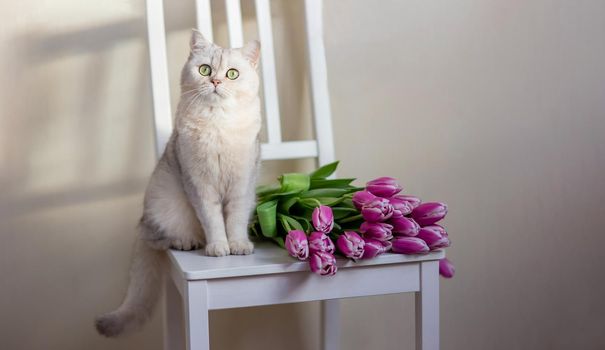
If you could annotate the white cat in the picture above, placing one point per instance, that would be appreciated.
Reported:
(201, 192)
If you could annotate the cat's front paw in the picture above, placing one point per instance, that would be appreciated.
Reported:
(217, 249)
(241, 247)
(185, 244)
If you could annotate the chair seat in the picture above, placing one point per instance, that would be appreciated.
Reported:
(268, 258)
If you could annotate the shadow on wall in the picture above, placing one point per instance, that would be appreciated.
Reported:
(85, 145)
(79, 138)
(79, 145)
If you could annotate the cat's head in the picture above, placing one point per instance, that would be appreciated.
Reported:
(220, 77)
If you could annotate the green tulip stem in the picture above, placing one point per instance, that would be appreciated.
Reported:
(351, 219)
(316, 201)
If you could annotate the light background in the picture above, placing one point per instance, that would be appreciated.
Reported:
(495, 107)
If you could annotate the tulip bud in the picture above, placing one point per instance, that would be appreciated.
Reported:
(429, 213)
(439, 228)
(433, 237)
(373, 248)
(384, 187)
(323, 219)
(387, 245)
(377, 230)
(409, 245)
(404, 226)
(360, 199)
(446, 268)
(297, 244)
(402, 206)
(323, 263)
(412, 200)
(377, 210)
(351, 245)
(320, 242)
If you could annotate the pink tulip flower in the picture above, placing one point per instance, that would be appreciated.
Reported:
(429, 213)
(361, 198)
(384, 187)
(433, 236)
(323, 219)
(376, 230)
(404, 226)
(401, 205)
(373, 248)
(409, 245)
(412, 200)
(377, 210)
(351, 245)
(297, 244)
(320, 242)
(323, 263)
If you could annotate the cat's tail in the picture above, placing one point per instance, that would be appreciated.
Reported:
(142, 295)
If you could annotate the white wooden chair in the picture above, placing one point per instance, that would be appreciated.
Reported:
(197, 284)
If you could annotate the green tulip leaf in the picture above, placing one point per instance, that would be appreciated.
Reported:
(264, 190)
(309, 203)
(324, 192)
(337, 228)
(332, 183)
(312, 203)
(353, 218)
(279, 241)
(280, 195)
(267, 216)
(324, 171)
(306, 224)
(284, 206)
(341, 213)
(289, 223)
(329, 201)
(347, 203)
(294, 182)
(252, 231)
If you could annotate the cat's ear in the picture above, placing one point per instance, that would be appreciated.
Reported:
(198, 42)
(251, 52)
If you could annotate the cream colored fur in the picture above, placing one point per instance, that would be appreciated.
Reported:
(202, 190)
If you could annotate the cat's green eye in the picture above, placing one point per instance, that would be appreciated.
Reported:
(205, 70)
(232, 74)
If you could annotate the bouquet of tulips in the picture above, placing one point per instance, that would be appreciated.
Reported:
(314, 217)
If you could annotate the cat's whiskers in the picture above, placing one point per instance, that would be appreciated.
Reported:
(194, 98)
(224, 92)
(190, 91)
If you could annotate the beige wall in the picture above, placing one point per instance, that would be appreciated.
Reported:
(496, 107)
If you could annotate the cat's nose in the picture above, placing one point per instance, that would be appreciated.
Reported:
(215, 82)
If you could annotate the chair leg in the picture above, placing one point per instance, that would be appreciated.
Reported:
(330, 324)
(196, 316)
(174, 337)
(427, 307)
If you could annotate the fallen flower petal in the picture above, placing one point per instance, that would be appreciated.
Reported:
(446, 268)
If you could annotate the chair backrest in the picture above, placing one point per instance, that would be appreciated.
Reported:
(322, 147)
